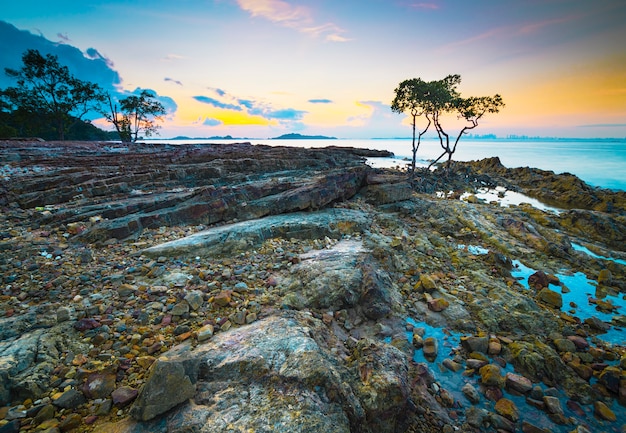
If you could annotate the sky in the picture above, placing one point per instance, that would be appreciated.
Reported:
(262, 68)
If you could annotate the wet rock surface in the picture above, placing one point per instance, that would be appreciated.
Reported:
(238, 287)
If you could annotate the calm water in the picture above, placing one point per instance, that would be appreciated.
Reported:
(597, 162)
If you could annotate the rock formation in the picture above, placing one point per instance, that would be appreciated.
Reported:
(240, 287)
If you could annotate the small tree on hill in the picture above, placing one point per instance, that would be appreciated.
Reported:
(134, 115)
(46, 89)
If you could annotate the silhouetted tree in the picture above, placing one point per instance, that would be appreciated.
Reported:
(135, 114)
(46, 90)
(412, 96)
(435, 99)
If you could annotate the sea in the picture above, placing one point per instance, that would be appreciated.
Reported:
(599, 162)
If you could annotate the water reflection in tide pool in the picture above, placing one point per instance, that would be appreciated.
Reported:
(577, 301)
(453, 382)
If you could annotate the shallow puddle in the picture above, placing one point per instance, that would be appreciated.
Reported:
(578, 301)
(505, 197)
(453, 382)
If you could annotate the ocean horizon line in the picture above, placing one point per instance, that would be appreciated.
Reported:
(478, 137)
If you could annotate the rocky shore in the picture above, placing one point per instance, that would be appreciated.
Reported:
(236, 288)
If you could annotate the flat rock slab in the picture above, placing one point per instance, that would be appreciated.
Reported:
(244, 235)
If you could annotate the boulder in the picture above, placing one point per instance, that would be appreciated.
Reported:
(280, 367)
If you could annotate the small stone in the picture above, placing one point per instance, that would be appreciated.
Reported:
(490, 375)
(238, 318)
(477, 417)
(427, 283)
(205, 333)
(44, 414)
(602, 411)
(518, 383)
(605, 277)
(579, 342)
(550, 297)
(418, 341)
(475, 364)
(471, 393)
(10, 427)
(99, 385)
(70, 422)
(564, 345)
(553, 405)
(63, 314)
(195, 299)
(251, 317)
(507, 409)
(495, 347)
(145, 361)
(475, 344)
(502, 423)
(438, 304)
(180, 309)
(452, 365)
(430, 349)
(597, 324)
(223, 298)
(103, 407)
(538, 280)
(123, 396)
(531, 428)
(69, 399)
(610, 378)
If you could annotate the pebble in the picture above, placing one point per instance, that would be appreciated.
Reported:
(123, 396)
(471, 393)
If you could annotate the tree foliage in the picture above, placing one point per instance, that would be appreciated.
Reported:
(412, 97)
(434, 100)
(46, 91)
(134, 115)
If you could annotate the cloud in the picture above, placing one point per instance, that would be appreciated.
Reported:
(295, 17)
(212, 122)
(251, 109)
(171, 57)
(214, 102)
(285, 114)
(171, 80)
(63, 37)
(535, 26)
(320, 101)
(90, 65)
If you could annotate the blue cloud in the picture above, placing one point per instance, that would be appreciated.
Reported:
(212, 122)
(214, 102)
(220, 92)
(246, 103)
(90, 65)
(320, 101)
(173, 81)
(285, 114)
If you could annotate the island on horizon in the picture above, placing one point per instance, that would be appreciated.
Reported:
(296, 136)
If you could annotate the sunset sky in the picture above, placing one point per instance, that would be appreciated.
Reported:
(261, 68)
